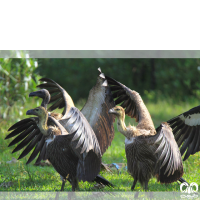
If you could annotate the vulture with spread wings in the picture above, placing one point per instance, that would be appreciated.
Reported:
(94, 113)
(149, 152)
(74, 159)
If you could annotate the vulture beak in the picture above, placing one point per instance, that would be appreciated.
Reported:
(111, 111)
(31, 112)
(39, 93)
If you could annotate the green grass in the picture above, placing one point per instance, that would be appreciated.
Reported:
(31, 178)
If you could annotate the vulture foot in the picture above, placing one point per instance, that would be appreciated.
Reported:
(134, 183)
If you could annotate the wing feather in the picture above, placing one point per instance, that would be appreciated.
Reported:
(85, 146)
(60, 99)
(99, 102)
(169, 157)
(186, 128)
(131, 102)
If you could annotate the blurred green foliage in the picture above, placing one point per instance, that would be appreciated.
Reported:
(177, 79)
(17, 79)
(153, 78)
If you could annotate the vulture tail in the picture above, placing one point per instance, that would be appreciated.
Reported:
(182, 180)
(101, 180)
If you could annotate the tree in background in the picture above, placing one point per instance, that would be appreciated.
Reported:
(152, 78)
(17, 79)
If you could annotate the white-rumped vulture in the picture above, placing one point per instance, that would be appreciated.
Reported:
(95, 112)
(73, 158)
(149, 152)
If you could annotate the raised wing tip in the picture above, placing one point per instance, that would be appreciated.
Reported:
(11, 128)
(99, 69)
(105, 83)
(42, 79)
(102, 75)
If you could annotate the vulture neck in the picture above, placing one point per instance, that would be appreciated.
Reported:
(121, 126)
(45, 101)
(43, 124)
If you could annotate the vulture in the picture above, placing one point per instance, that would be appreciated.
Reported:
(74, 159)
(95, 112)
(149, 152)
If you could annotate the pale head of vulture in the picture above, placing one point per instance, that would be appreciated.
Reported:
(42, 114)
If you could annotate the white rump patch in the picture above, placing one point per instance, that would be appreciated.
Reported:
(49, 140)
(127, 141)
(191, 120)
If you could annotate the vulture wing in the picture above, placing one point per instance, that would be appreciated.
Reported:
(96, 112)
(131, 101)
(74, 127)
(186, 130)
(169, 162)
(83, 142)
(59, 97)
(30, 136)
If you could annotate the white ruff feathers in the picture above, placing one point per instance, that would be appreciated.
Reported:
(127, 141)
(49, 140)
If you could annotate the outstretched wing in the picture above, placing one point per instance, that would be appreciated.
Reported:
(96, 112)
(84, 143)
(29, 136)
(186, 130)
(59, 97)
(169, 158)
(131, 101)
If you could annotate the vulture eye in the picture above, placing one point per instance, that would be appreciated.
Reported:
(36, 109)
(117, 109)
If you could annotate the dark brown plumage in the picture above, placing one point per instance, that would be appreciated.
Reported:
(71, 159)
(84, 141)
(149, 153)
(185, 127)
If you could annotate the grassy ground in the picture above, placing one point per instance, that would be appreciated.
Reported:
(20, 177)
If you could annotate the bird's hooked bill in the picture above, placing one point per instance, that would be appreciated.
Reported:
(111, 111)
(39, 93)
(30, 112)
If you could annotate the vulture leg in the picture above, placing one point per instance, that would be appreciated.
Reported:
(63, 185)
(146, 185)
(75, 184)
(134, 183)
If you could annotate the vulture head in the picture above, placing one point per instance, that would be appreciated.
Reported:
(44, 94)
(118, 111)
(42, 114)
(39, 111)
